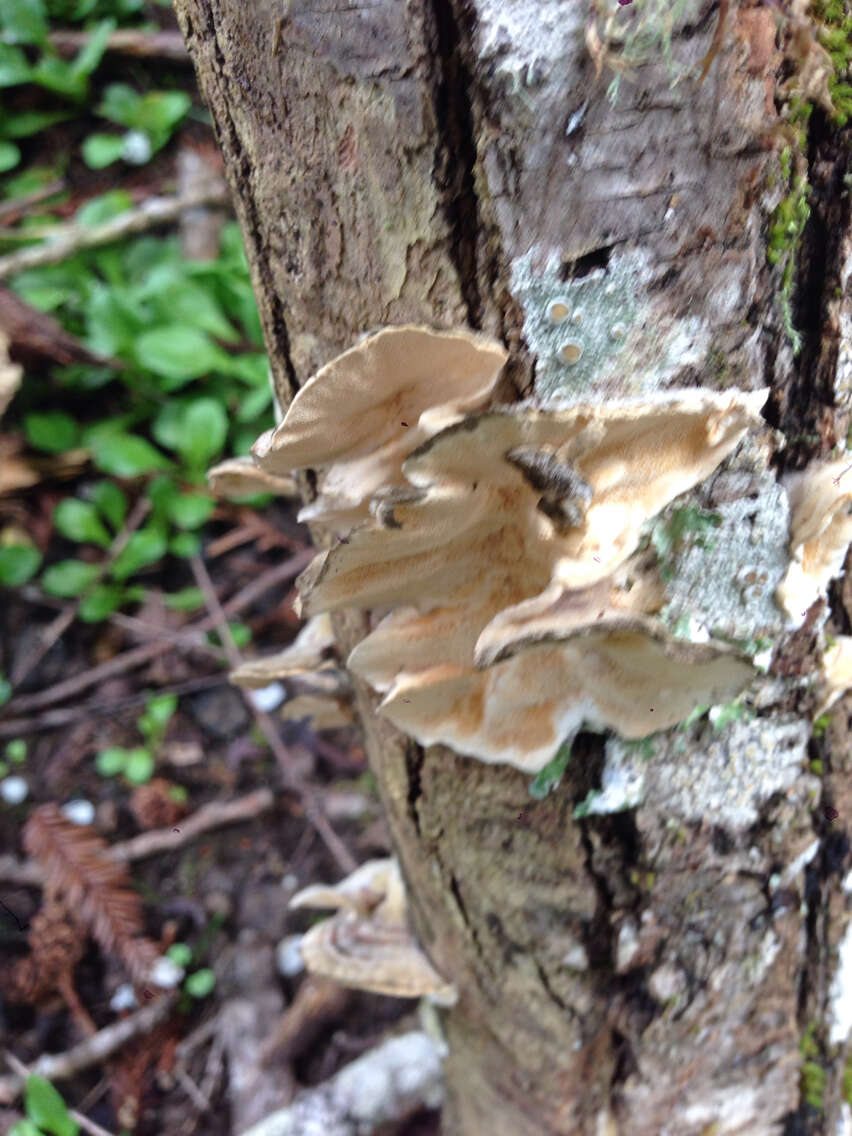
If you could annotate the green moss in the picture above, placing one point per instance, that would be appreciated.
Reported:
(785, 238)
(812, 1075)
(835, 35)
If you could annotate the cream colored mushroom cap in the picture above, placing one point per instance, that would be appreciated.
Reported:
(836, 672)
(10, 375)
(373, 393)
(633, 678)
(307, 653)
(367, 944)
(238, 477)
(821, 531)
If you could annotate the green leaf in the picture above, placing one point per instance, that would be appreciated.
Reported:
(104, 207)
(139, 766)
(111, 761)
(126, 455)
(5, 691)
(254, 403)
(550, 777)
(53, 432)
(186, 599)
(145, 546)
(178, 354)
(201, 983)
(101, 150)
(159, 710)
(25, 1127)
(25, 123)
(69, 578)
(79, 520)
(161, 492)
(46, 1108)
(205, 428)
(190, 510)
(180, 954)
(101, 602)
(16, 751)
(110, 502)
(185, 544)
(18, 563)
(90, 55)
(120, 104)
(24, 21)
(10, 155)
(14, 68)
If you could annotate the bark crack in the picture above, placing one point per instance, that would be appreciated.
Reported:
(456, 156)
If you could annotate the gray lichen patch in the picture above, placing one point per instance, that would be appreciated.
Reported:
(599, 334)
(722, 578)
(699, 773)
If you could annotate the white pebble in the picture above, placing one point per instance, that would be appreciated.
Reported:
(267, 698)
(137, 148)
(13, 790)
(165, 973)
(79, 811)
(288, 956)
(124, 998)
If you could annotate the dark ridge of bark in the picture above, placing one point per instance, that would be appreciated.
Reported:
(457, 153)
(414, 758)
(587, 263)
(228, 138)
(806, 415)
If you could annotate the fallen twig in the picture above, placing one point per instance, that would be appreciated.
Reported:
(57, 627)
(73, 238)
(55, 719)
(92, 1051)
(147, 651)
(128, 41)
(213, 815)
(313, 810)
(409, 1069)
(20, 205)
(82, 1120)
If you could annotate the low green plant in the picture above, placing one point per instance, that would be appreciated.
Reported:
(812, 1075)
(46, 1111)
(137, 764)
(149, 119)
(551, 776)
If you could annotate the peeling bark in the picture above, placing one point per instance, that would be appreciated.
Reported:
(650, 971)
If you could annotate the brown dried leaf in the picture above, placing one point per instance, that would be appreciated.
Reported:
(93, 887)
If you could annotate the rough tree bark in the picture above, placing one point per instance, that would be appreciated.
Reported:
(447, 162)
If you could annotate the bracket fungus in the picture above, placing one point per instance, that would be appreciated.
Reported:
(361, 414)
(821, 524)
(503, 545)
(367, 943)
(10, 375)
(238, 477)
(836, 672)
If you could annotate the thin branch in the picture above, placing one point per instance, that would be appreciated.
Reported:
(22, 204)
(73, 238)
(54, 719)
(57, 628)
(94, 1050)
(147, 651)
(87, 1125)
(313, 810)
(213, 815)
(128, 41)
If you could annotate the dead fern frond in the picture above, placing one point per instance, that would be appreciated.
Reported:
(93, 888)
(56, 947)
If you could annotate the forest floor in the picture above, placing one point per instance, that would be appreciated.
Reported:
(148, 807)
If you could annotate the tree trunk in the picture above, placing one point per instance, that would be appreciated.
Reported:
(461, 163)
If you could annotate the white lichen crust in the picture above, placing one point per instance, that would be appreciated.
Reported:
(699, 772)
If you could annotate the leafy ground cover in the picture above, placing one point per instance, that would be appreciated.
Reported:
(151, 814)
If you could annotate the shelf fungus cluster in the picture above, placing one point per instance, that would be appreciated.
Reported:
(367, 943)
(503, 545)
(821, 524)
